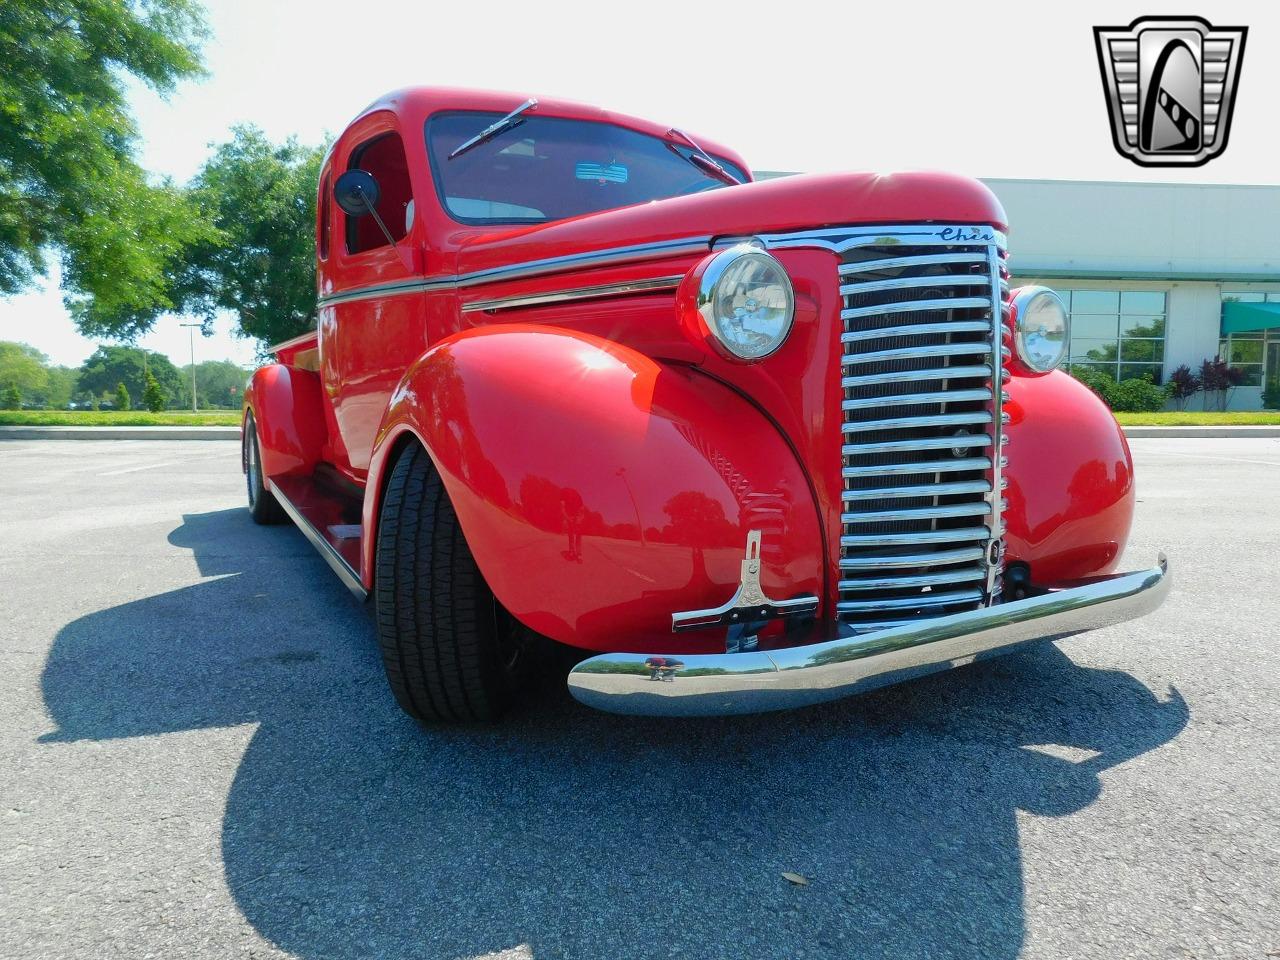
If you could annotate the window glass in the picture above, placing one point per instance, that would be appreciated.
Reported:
(1142, 326)
(1141, 301)
(1120, 332)
(1244, 297)
(1134, 371)
(1095, 301)
(1147, 351)
(325, 211)
(551, 168)
(1096, 350)
(1092, 327)
(1240, 350)
(383, 157)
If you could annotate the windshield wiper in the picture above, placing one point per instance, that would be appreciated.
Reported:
(495, 128)
(703, 160)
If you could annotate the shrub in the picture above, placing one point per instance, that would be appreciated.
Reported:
(1218, 380)
(1137, 395)
(123, 400)
(1271, 398)
(1183, 385)
(12, 399)
(153, 395)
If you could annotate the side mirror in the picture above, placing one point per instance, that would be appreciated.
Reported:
(356, 193)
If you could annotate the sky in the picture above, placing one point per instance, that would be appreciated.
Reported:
(989, 90)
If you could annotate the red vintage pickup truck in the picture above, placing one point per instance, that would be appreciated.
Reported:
(577, 378)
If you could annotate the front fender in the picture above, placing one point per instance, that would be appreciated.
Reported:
(1070, 474)
(600, 490)
(288, 410)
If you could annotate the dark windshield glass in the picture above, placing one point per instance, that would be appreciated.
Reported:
(547, 168)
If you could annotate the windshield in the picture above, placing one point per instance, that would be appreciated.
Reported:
(549, 168)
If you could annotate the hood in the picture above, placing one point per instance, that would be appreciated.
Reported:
(805, 202)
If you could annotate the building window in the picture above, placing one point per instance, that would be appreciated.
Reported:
(1247, 349)
(1118, 332)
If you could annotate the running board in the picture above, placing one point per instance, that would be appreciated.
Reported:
(330, 519)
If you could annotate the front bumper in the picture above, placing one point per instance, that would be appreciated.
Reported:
(758, 681)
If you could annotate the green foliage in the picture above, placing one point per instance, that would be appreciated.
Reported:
(259, 262)
(1271, 397)
(152, 396)
(123, 400)
(219, 384)
(1135, 395)
(110, 365)
(69, 181)
(114, 418)
(12, 398)
(23, 366)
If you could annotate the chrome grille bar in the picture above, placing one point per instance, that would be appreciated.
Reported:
(922, 419)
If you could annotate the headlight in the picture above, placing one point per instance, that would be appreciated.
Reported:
(746, 300)
(1043, 328)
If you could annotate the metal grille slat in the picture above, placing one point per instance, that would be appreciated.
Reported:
(916, 330)
(907, 423)
(980, 509)
(958, 535)
(930, 466)
(913, 283)
(895, 263)
(923, 344)
(911, 306)
(961, 575)
(907, 353)
(906, 376)
(919, 600)
(930, 490)
(980, 395)
(934, 558)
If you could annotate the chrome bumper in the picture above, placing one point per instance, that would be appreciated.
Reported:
(757, 681)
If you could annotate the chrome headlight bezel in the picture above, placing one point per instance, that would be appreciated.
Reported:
(1028, 302)
(709, 284)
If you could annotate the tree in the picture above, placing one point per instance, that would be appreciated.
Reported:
(260, 261)
(219, 383)
(153, 397)
(69, 181)
(110, 365)
(12, 399)
(23, 366)
(123, 400)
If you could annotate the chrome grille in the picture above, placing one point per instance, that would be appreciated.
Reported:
(921, 422)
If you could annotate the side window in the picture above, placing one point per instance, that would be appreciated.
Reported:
(383, 157)
(325, 214)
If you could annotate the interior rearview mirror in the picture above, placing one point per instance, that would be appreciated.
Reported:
(356, 193)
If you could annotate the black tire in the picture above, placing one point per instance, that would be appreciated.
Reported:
(450, 650)
(263, 506)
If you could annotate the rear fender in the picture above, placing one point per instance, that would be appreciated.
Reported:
(600, 490)
(288, 410)
(1070, 494)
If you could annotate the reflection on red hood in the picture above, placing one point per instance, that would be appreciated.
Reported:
(813, 201)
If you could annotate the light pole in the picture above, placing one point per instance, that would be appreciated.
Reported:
(191, 333)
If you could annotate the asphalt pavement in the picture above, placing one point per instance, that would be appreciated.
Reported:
(199, 758)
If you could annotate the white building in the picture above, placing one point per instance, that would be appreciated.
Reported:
(1156, 275)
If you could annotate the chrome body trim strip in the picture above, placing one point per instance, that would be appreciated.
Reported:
(756, 681)
(532, 268)
(349, 577)
(599, 292)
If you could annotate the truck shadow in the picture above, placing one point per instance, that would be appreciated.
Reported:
(351, 832)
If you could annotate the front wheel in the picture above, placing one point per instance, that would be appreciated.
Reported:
(263, 506)
(450, 650)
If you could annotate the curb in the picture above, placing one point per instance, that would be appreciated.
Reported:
(119, 433)
(1136, 433)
